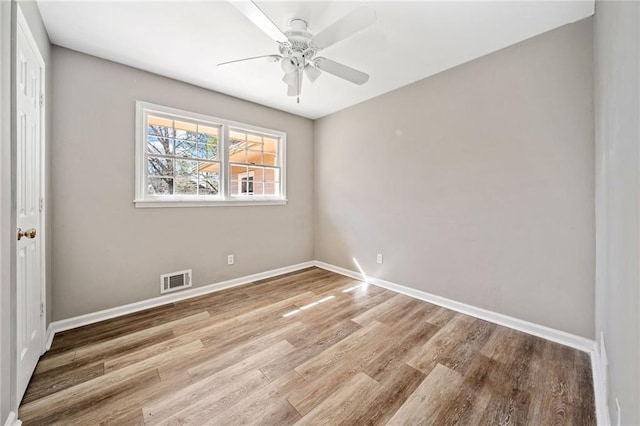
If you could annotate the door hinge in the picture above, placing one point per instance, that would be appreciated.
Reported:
(41, 203)
(41, 99)
(41, 309)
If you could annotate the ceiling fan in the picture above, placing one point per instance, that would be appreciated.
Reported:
(298, 47)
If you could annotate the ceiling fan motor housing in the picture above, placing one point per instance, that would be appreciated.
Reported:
(299, 48)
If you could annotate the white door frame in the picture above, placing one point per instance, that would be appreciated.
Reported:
(24, 27)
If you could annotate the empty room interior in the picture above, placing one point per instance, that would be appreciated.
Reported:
(327, 212)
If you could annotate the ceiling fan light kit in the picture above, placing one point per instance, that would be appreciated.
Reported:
(298, 47)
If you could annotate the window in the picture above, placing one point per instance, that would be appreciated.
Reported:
(189, 159)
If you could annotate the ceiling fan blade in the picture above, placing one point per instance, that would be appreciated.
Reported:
(265, 58)
(342, 71)
(350, 24)
(312, 72)
(260, 19)
(290, 78)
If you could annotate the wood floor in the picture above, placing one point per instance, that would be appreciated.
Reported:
(310, 347)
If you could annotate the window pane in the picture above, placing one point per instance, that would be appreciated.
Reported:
(208, 184)
(254, 139)
(189, 127)
(159, 121)
(186, 149)
(236, 145)
(270, 159)
(257, 173)
(254, 157)
(160, 127)
(159, 167)
(271, 174)
(209, 131)
(235, 135)
(186, 186)
(160, 186)
(185, 168)
(186, 136)
(258, 188)
(209, 168)
(237, 156)
(234, 187)
(270, 145)
(271, 188)
(186, 131)
(236, 170)
(159, 145)
(254, 146)
(207, 147)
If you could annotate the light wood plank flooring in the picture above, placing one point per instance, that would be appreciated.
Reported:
(310, 347)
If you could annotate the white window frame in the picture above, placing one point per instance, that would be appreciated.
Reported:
(224, 198)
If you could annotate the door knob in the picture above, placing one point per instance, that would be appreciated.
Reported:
(29, 233)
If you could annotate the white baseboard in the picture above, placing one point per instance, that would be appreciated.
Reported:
(544, 332)
(548, 333)
(12, 420)
(600, 388)
(564, 338)
(342, 271)
(50, 334)
(79, 321)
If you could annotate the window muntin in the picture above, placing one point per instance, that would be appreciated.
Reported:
(254, 156)
(182, 157)
(185, 158)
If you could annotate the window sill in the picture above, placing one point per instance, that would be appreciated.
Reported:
(216, 203)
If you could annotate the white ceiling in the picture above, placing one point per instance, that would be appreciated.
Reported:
(408, 42)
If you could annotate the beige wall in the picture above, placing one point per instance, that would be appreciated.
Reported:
(617, 130)
(106, 252)
(31, 13)
(476, 184)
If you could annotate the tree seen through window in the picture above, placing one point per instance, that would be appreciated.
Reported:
(183, 158)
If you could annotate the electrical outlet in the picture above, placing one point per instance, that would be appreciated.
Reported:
(379, 258)
(618, 414)
(231, 260)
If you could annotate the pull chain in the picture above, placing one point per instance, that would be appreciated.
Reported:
(298, 77)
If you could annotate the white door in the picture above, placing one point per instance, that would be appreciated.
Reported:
(29, 84)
